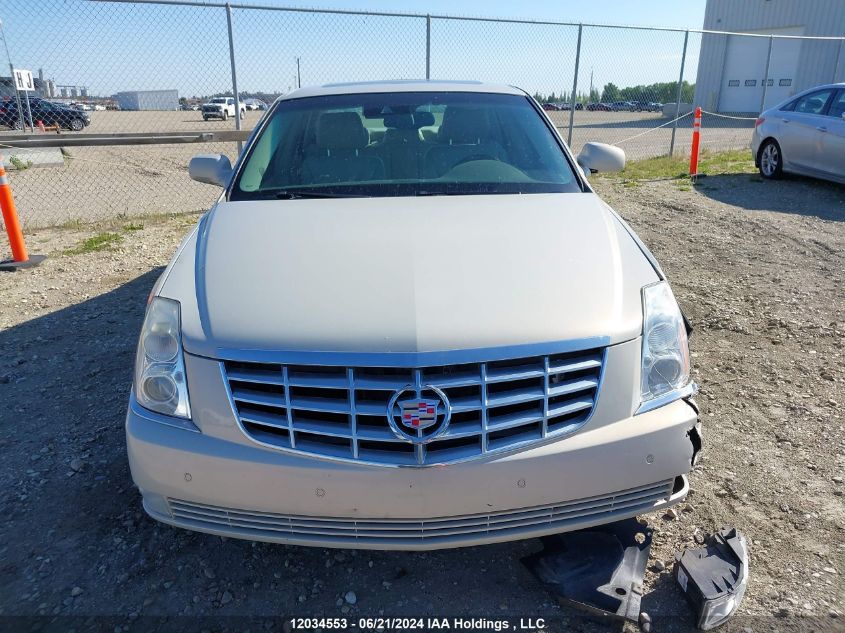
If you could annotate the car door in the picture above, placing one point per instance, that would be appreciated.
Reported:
(33, 108)
(801, 132)
(831, 159)
(42, 111)
(60, 115)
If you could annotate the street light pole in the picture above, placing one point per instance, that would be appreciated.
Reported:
(298, 77)
(12, 76)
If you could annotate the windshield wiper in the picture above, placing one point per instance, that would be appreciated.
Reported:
(461, 192)
(293, 194)
(427, 192)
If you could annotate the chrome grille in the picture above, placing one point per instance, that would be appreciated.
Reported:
(341, 412)
(396, 532)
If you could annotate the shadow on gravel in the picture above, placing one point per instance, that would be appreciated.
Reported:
(64, 383)
(792, 194)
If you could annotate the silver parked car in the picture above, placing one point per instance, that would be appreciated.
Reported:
(803, 135)
(409, 323)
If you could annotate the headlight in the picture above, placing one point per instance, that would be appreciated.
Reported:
(160, 383)
(665, 361)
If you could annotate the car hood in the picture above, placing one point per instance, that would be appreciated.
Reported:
(407, 274)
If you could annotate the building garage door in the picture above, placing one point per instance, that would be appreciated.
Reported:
(745, 65)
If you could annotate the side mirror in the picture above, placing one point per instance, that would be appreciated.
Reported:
(601, 157)
(212, 169)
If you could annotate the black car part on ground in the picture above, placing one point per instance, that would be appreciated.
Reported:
(599, 569)
(714, 577)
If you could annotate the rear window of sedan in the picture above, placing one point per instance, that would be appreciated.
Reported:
(405, 144)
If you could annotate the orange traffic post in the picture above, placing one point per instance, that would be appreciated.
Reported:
(696, 139)
(20, 257)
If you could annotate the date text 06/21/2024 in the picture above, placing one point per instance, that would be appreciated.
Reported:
(416, 624)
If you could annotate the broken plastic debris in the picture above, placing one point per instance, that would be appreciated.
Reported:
(714, 577)
(599, 569)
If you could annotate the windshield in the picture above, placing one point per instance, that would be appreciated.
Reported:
(404, 144)
(218, 101)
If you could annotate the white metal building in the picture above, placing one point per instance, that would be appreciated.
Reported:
(732, 69)
(148, 100)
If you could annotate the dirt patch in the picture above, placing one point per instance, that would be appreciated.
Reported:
(759, 267)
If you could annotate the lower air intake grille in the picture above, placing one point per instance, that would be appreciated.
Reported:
(398, 532)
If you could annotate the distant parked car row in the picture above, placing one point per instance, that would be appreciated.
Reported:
(246, 104)
(255, 104)
(553, 107)
(635, 106)
(616, 106)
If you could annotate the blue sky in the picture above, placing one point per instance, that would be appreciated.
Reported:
(111, 47)
(672, 13)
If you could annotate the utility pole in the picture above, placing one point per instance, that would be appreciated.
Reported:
(298, 76)
(12, 76)
(235, 90)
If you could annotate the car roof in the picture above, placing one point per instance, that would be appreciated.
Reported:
(416, 85)
(840, 84)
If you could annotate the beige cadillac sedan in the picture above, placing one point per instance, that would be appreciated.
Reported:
(409, 323)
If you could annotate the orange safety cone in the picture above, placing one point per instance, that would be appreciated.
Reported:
(20, 257)
(696, 139)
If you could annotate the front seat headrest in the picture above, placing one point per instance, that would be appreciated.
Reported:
(341, 130)
(464, 126)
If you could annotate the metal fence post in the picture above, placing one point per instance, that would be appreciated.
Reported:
(678, 99)
(766, 75)
(12, 75)
(428, 46)
(28, 109)
(234, 74)
(838, 61)
(574, 87)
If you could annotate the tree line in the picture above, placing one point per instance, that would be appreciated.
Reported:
(661, 92)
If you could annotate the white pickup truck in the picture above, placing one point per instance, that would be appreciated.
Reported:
(221, 108)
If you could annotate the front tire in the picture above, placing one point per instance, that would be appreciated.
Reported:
(225, 115)
(770, 160)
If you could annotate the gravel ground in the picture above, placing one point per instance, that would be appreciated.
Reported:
(758, 267)
(99, 183)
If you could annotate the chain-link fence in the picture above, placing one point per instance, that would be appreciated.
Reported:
(144, 69)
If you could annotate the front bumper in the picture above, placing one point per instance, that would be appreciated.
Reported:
(205, 483)
(756, 139)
